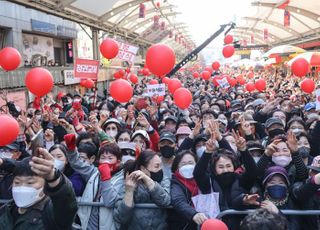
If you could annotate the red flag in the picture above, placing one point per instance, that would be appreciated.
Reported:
(284, 4)
(286, 18)
(265, 34)
(142, 10)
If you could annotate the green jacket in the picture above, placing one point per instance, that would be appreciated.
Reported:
(56, 211)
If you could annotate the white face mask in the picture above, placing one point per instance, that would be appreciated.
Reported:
(296, 131)
(161, 110)
(187, 171)
(59, 164)
(282, 161)
(200, 151)
(126, 158)
(112, 133)
(25, 197)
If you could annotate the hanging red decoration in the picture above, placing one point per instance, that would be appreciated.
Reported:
(182, 98)
(142, 10)
(228, 39)
(215, 65)
(109, 48)
(160, 59)
(228, 51)
(10, 58)
(308, 85)
(121, 91)
(300, 67)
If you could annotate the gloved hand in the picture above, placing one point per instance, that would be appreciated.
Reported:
(105, 171)
(70, 140)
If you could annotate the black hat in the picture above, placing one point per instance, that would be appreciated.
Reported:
(272, 121)
(235, 103)
(172, 118)
(168, 136)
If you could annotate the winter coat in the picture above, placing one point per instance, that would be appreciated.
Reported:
(183, 211)
(131, 218)
(55, 211)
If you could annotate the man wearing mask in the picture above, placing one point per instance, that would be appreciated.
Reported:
(167, 145)
(42, 197)
(11, 153)
(274, 127)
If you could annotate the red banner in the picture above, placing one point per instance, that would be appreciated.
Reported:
(86, 69)
(265, 34)
(286, 18)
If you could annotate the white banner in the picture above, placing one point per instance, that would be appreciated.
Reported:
(127, 52)
(69, 78)
(318, 99)
(156, 90)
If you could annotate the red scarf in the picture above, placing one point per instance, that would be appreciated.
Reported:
(190, 184)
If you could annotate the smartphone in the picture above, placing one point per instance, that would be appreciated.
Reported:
(37, 142)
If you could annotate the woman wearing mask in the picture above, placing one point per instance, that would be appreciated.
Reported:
(304, 148)
(123, 136)
(284, 152)
(59, 153)
(103, 184)
(223, 178)
(111, 127)
(297, 126)
(144, 183)
(183, 188)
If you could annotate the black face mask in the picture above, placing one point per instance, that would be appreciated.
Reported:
(276, 132)
(167, 151)
(157, 176)
(304, 151)
(225, 180)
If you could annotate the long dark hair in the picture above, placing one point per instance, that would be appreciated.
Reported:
(223, 153)
(68, 171)
(178, 158)
(143, 160)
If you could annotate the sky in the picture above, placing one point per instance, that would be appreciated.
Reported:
(204, 17)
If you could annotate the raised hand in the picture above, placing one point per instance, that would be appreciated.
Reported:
(251, 199)
(245, 125)
(199, 218)
(196, 129)
(272, 148)
(143, 121)
(240, 141)
(49, 135)
(266, 204)
(292, 142)
(43, 164)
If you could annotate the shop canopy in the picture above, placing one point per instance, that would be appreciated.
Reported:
(277, 22)
(123, 18)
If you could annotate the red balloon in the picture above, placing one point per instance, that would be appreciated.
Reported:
(173, 85)
(232, 82)
(10, 58)
(89, 84)
(241, 80)
(140, 72)
(308, 85)
(213, 224)
(260, 84)
(214, 80)
(153, 82)
(196, 75)
(39, 81)
(121, 73)
(182, 98)
(300, 67)
(83, 83)
(121, 91)
(9, 129)
(250, 75)
(228, 51)
(109, 48)
(159, 99)
(209, 69)
(160, 59)
(250, 87)
(228, 39)
(145, 72)
(206, 75)
(215, 65)
(133, 78)
(116, 75)
(165, 80)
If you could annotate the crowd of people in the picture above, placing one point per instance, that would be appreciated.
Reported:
(231, 149)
